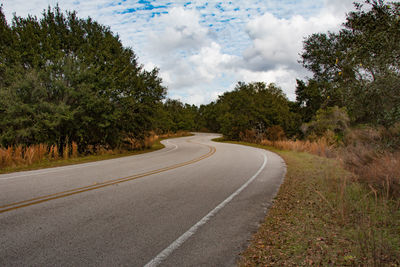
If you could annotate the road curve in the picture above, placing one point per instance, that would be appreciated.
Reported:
(195, 202)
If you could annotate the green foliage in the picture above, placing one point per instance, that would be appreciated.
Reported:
(358, 67)
(65, 77)
(208, 115)
(332, 119)
(175, 116)
(254, 106)
(275, 133)
(321, 217)
(308, 98)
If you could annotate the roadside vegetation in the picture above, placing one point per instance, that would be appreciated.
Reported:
(322, 215)
(69, 90)
(340, 201)
(42, 156)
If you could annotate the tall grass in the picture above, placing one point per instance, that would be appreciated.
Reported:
(323, 217)
(372, 154)
(275, 137)
(20, 155)
(320, 147)
(366, 205)
(174, 134)
(140, 144)
(74, 150)
(66, 151)
(28, 155)
(354, 217)
(357, 214)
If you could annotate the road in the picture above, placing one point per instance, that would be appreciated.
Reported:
(193, 203)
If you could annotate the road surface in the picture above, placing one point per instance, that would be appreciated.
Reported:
(193, 203)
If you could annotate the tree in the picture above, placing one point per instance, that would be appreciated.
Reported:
(174, 116)
(254, 106)
(331, 119)
(309, 99)
(72, 80)
(358, 68)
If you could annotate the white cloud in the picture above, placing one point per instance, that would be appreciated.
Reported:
(205, 47)
(277, 43)
(210, 62)
(191, 62)
(283, 77)
(337, 8)
(180, 31)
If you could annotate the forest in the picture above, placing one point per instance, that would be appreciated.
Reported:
(66, 80)
(70, 89)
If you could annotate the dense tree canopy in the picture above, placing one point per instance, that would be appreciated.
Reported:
(64, 77)
(308, 98)
(253, 106)
(358, 67)
(175, 116)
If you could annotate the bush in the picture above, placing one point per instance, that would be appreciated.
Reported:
(333, 119)
(275, 133)
(373, 154)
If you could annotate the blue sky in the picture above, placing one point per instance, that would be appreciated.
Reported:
(204, 48)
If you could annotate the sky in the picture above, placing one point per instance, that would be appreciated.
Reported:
(203, 48)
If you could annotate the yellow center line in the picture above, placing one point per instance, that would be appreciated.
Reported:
(41, 199)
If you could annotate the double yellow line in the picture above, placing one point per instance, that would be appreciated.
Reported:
(41, 199)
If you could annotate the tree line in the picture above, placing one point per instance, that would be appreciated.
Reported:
(357, 68)
(356, 81)
(63, 78)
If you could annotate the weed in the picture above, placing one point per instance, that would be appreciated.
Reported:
(56, 154)
(66, 150)
(22, 157)
(323, 216)
(17, 156)
(74, 152)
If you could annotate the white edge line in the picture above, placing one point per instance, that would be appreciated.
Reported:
(58, 169)
(175, 146)
(178, 242)
(90, 164)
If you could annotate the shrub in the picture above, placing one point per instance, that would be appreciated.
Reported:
(249, 136)
(333, 119)
(275, 133)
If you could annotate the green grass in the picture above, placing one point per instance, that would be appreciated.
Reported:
(82, 159)
(323, 216)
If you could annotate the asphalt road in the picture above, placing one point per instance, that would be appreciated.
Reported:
(193, 203)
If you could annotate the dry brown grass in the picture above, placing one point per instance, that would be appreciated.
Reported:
(54, 154)
(373, 154)
(370, 153)
(140, 144)
(17, 155)
(320, 147)
(66, 151)
(150, 140)
(28, 155)
(325, 217)
(379, 171)
(275, 137)
(177, 134)
(74, 151)
(322, 217)
(6, 156)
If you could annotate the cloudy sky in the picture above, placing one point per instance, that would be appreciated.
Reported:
(204, 48)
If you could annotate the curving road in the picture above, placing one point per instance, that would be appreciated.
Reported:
(193, 203)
